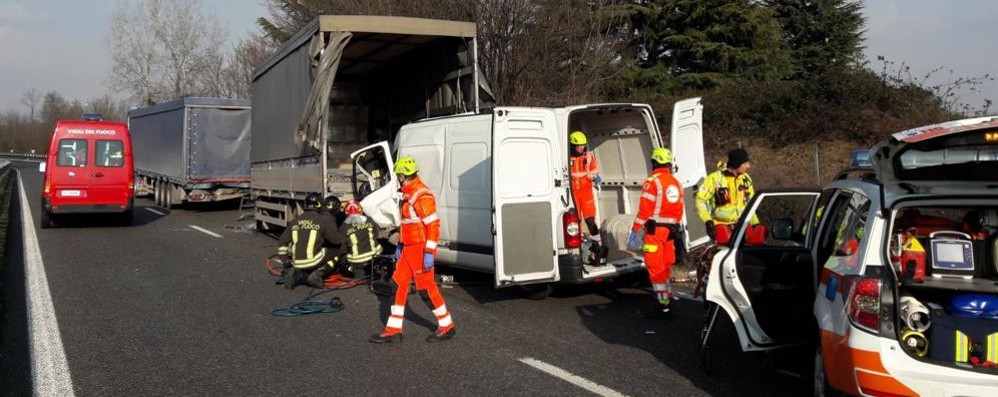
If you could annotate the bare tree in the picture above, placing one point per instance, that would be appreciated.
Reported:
(135, 53)
(249, 54)
(30, 99)
(160, 48)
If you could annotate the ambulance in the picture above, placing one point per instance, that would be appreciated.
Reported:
(890, 272)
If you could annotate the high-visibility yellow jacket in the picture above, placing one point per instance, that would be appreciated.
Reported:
(723, 196)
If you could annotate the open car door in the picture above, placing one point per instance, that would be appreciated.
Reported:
(375, 185)
(765, 282)
(525, 200)
(686, 143)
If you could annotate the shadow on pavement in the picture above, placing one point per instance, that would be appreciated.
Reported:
(140, 217)
(674, 342)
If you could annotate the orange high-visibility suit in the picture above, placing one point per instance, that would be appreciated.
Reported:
(583, 170)
(661, 203)
(420, 233)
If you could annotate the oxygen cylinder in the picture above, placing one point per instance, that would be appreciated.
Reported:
(915, 342)
(914, 314)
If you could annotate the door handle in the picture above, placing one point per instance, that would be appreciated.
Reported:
(99, 175)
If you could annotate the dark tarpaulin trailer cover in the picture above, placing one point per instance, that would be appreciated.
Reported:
(193, 139)
(343, 82)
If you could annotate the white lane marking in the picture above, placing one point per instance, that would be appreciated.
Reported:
(49, 368)
(155, 212)
(571, 378)
(206, 231)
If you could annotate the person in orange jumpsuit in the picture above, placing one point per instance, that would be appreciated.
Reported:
(660, 214)
(416, 249)
(585, 176)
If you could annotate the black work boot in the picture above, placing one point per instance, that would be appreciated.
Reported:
(441, 336)
(316, 279)
(386, 337)
(291, 278)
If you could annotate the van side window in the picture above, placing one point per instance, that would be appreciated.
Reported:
(110, 153)
(849, 231)
(72, 153)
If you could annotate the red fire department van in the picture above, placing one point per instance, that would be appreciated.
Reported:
(88, 170)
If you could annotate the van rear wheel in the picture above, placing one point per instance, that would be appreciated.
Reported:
(45, 220)
(536, 292)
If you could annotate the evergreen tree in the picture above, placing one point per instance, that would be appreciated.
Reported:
(701, 44)
(821, 34)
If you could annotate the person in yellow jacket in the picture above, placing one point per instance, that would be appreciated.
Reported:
(725, 193)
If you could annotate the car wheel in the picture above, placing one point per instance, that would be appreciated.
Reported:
(821, 386)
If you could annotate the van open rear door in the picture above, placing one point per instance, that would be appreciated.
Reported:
(687, 146)
(525, 195)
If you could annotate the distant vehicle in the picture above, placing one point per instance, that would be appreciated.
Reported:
(892, 280)
(860, 158)
(88, 170)
(502, 187)
(192, 150)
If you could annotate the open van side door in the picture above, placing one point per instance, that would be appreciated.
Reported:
(686, 142)
(526, 210)
(765, 281)
(375, 185)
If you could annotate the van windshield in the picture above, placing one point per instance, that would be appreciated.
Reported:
(72, 153)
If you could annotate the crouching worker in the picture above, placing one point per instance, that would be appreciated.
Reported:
(361, 243)
(311, 240)
(416, 250)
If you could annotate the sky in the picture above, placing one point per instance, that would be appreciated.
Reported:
(59, 44)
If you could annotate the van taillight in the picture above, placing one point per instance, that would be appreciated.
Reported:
(864, 303)
(48, 186)
(573, 235)
(131, 186)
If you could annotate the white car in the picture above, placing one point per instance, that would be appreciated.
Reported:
(890, 272)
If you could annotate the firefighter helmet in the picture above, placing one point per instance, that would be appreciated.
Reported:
(333, 204)
(353, 208)
(577, 138)
(661, 155)
(406, 166)
(313, 201)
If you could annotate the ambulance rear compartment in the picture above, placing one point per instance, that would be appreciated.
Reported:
(945, 262)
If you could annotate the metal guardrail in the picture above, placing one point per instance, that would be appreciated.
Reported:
(21, 156)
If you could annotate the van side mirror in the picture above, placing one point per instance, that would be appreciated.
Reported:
(783, 229)
(41, 167)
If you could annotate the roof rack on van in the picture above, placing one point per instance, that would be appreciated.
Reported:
(92, 117)
(860, 173)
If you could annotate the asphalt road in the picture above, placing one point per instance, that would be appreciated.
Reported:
(159, 308)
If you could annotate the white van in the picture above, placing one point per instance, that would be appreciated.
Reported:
(502, 185)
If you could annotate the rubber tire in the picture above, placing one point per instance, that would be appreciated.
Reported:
(537, 292)
(45, 220)
(157, 193)
(127, 218)
(820, 386)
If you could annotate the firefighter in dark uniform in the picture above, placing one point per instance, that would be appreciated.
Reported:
(312, 240)
(361, 244)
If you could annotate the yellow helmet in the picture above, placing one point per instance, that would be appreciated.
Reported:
(661, 155)
(406, 166)
(577, 138)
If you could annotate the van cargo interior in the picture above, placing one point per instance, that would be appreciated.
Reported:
(619, 137)
(945, 263)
